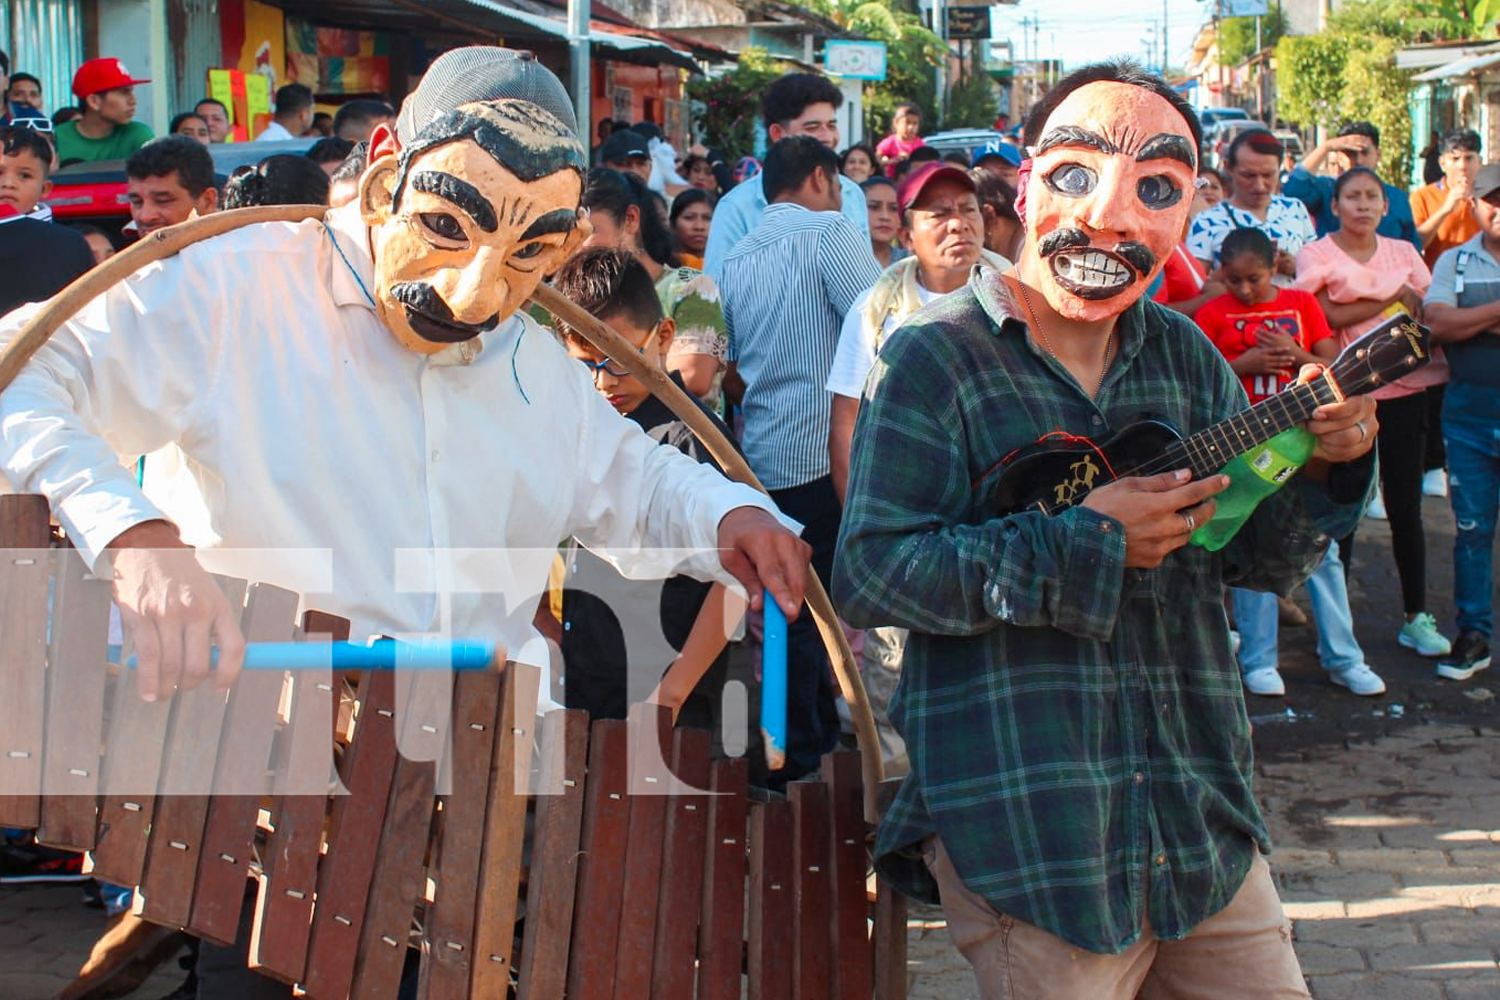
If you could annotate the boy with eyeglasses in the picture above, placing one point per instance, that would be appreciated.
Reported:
(611, 629)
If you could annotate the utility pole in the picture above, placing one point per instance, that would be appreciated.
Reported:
(940, 28)
(1164, 50)
(578, 66)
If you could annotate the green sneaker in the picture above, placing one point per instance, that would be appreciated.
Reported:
(1421, 634)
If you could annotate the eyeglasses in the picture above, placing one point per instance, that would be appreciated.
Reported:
(610, 367)
(35, 124)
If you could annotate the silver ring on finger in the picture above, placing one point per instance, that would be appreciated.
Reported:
(1187, 517)
(1363, 432)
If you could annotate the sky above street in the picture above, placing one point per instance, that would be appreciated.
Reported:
(1088, 30)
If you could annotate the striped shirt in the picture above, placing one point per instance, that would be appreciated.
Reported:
(786, 289)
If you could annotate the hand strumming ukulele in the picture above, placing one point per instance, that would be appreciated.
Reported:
(1060, 470)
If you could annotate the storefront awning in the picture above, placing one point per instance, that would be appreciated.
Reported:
(1459, 67)
(485, 20)
(630, 45)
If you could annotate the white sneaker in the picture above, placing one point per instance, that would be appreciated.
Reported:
(1266, 681)
(1360, 679)
(1376, 509)
(1435, 483)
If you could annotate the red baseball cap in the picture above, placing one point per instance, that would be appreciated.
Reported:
(912, 185)
(97, 75)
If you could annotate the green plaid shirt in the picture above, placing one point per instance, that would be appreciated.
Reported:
(1076, 729)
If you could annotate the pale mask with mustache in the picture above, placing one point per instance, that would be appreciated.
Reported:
(1111, 181)
(469, 218)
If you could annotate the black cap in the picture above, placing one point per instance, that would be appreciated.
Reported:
(650, 130)
(1487, 181)
(623, 145)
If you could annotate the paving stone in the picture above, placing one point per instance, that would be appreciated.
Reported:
(1321, 959)
(1390, 859)
(1478, 877)
(1468, 930)
(1440, 960)
(1423, 835)
(1479, 857)
(1478, 988)
(1318, 909)
(1367, 986)
(1300, 859)
(1371, 933)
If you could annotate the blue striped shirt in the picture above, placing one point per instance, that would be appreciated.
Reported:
(785, 289)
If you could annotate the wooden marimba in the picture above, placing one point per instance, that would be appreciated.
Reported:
(611, 890)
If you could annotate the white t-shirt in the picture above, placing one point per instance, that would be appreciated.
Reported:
(275, 132)
(857, 346)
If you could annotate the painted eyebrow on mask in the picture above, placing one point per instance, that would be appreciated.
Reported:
(1167, 146)
(1075, 135)
(558, 221)
(461, 193)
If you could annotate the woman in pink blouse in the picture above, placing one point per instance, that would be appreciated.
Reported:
(1361, 279)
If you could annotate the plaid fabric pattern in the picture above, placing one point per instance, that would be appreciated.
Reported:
(1077, 731)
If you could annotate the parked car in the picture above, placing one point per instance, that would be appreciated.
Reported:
(1212, 116)
(95, 192)
(1217, 139)
(964, 140)
(1292, 141)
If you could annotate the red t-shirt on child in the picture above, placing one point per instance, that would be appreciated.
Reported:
(1235, 328)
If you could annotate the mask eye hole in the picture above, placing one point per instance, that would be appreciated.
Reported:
(528, 252)
(1073, 180)
(1158, 191)
(443, 226)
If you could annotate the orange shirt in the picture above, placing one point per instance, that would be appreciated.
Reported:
(1459, 227)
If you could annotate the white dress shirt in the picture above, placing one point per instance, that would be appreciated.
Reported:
(275, 132)
(278, 412)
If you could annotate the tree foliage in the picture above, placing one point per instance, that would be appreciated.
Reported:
(971, 103)
(1347, 72)
(731, 101)
(1237, 36)
(1310, 77)
(912, 53)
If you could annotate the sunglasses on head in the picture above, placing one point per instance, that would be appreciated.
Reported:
(35, 124)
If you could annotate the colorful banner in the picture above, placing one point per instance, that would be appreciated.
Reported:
(337, 60)
(248, 98)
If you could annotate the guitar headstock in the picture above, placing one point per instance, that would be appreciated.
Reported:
(1394, 349)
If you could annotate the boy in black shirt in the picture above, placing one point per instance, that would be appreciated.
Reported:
(37, 259)
(599, 608)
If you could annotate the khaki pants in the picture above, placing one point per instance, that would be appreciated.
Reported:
(1244, 951)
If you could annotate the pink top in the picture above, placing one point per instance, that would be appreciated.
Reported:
(1324, 266)
(898, 149)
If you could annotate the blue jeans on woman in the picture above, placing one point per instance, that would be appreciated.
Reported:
(1473, 483)
(1255, 616)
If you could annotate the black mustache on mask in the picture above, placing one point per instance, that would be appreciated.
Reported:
(420, 297)
(1137, 255)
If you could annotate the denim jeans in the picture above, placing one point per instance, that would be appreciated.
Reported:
(1473, 481)
(1255, 616)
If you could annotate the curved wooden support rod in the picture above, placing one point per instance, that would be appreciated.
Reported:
(165, 242)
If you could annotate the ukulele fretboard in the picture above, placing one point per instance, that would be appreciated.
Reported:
(1210, 450)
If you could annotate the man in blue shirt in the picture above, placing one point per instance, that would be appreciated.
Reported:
(1463, 309)
(1356, 145)
(796, 104)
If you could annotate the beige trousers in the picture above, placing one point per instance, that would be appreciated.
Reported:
(1244, 951)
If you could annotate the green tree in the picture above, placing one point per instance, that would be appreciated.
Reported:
(1237, 36)
(731, 102)
(1310, 77)
(971, 103)
(912, 54)
(1376, 91)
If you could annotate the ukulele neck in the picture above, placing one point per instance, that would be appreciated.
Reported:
(1210, 450)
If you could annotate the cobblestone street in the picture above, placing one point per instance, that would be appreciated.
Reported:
(1384, 814)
